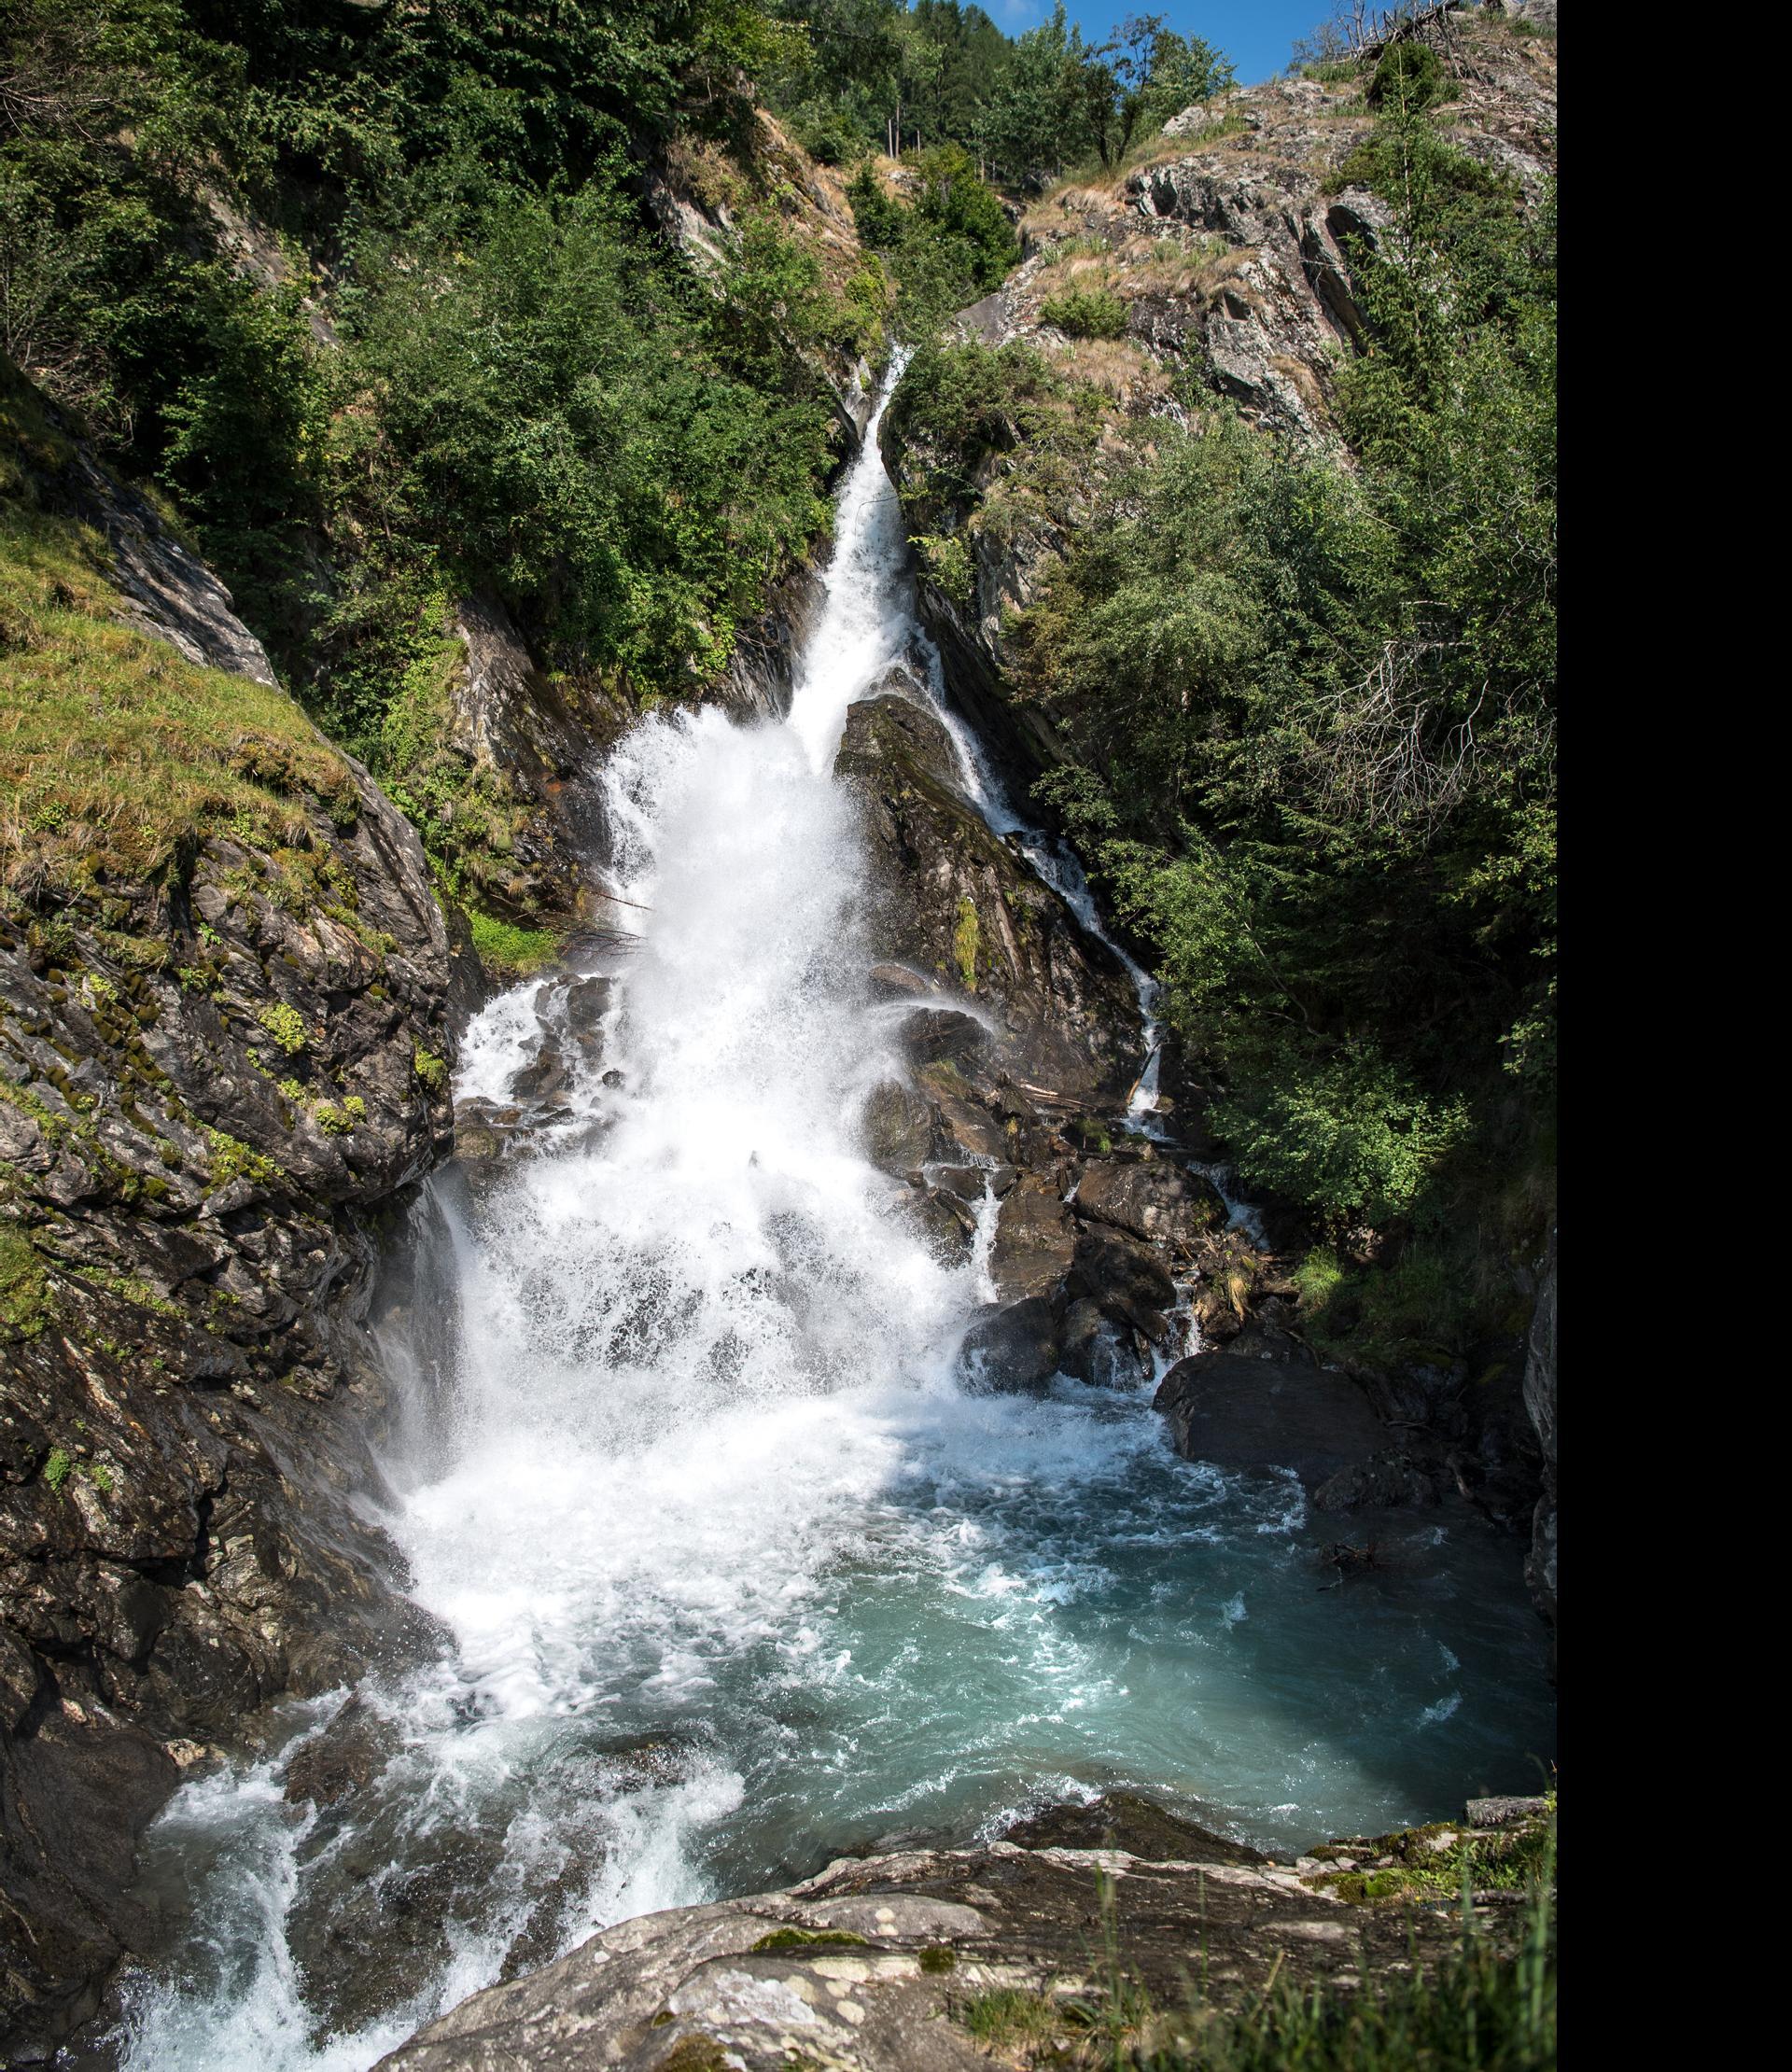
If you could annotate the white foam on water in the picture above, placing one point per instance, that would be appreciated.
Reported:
(500, 1040)
(736, 1574)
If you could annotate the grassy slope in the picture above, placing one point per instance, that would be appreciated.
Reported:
(117, 755)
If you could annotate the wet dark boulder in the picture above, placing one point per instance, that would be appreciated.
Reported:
(1268, 1414)
(896, 982)
(1126, 1280)
(899, 1128)
(971, 1183)
(1035, 1241)
(1386, 1481)
(1012, 1348)
(931, 1034)
(1149, 1197)
(965, 1129)
(1099, 1352)
(951, 899)
(944, 1225)
(344, 1758)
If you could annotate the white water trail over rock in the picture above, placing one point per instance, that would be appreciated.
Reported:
(736, 1575)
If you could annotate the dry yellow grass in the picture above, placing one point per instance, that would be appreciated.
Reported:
(1117, 367)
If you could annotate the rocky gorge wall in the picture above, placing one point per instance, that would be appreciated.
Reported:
(1224, 262)
(225, 1040)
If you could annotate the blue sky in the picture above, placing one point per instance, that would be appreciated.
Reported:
(1256, 35)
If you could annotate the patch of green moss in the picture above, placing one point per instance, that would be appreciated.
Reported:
(431, 1070)
(286, 1025)
(810, 1938)
(138, 1293)
(509, 952)
(233, 1159)
(967, 940)
(24, 1288)
(938, 1958)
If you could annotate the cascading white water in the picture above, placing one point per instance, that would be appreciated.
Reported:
(736, 1575)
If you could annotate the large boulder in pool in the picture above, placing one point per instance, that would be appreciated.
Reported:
(1265, 1414)
(1012, 1349)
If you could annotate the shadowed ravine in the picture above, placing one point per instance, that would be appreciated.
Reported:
(738, 1574)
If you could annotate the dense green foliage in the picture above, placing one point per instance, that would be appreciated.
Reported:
(548, 408)
(880, 75)
(1309, 718)
(462, 362)
(948, 241)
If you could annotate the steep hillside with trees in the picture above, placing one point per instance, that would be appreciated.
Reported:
(399, 402)
(1237, 510)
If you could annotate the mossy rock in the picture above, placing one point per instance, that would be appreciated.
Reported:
(809, 1939)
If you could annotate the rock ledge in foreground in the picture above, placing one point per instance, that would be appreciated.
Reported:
(872, 1966)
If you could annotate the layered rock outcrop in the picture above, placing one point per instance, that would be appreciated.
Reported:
(1018, 1038)
(954, 902)
(896, 1962)
(218, 1065)
(1227, 266)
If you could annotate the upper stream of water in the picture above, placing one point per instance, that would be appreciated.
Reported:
(738, 1576)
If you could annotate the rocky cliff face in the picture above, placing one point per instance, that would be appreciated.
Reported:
(959, 905)
(224, 1047)
(1022, 1042)
(1225, 264)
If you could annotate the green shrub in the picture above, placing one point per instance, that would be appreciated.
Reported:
(947, 561)
(1086, 313)
(286, 1025)
(1408, 75)
(949, 243)
(1350, 1138)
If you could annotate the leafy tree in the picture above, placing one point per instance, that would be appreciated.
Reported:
(554, 410)
(950, 242)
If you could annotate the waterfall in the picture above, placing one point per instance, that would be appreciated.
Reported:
(732, 1573)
